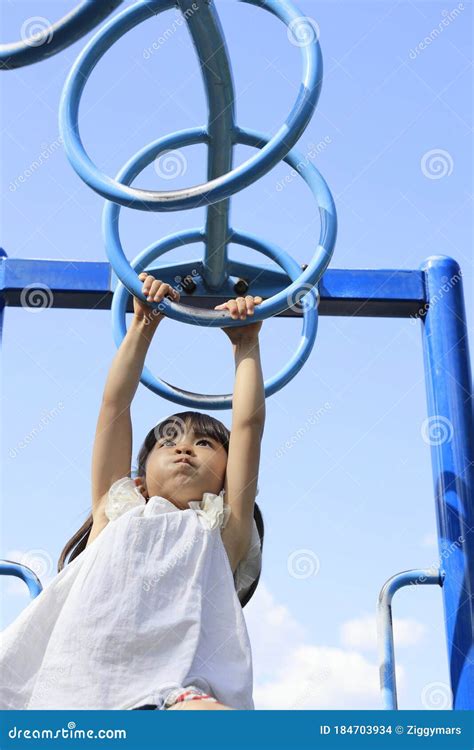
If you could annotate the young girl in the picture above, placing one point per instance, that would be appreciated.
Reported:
(147, 613)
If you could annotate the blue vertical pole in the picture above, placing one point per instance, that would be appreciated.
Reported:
(449, 431)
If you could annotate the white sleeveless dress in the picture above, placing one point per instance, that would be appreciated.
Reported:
(149, 606)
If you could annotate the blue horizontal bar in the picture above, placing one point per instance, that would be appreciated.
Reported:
(82, 284)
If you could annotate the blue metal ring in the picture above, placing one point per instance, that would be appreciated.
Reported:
(309, 304)
(209, 192)
(217, 318)
(57, 36)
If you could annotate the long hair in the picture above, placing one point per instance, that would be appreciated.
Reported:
(200, 423)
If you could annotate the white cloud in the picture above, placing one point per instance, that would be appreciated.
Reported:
(361, 632)
(291, 672)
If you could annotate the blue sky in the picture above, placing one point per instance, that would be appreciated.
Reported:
(353, 495)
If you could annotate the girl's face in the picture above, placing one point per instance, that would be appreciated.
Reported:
(202, 470)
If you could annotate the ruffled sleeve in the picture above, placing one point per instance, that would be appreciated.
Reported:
(212, 511)
(123, 495)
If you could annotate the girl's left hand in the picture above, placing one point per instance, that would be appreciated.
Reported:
(239, 308)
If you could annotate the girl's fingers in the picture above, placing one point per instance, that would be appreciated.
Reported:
(147, 285)
(241, 307)
(159, 291)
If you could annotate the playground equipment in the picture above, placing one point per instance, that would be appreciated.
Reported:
(433, 293)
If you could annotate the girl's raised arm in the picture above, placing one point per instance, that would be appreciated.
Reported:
(248, 420)
(112, 451)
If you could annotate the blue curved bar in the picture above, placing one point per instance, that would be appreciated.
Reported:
(217, 318)
(388, 683)
(220, 187)
(450, 429)
(10, 568)
(58, 35)
(309, 303)
(209, 41)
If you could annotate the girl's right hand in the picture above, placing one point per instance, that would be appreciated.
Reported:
(155, 290)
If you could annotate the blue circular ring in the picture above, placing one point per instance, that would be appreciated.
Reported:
(208, 192)
(57, 36)
(309, 303)
(216, 318)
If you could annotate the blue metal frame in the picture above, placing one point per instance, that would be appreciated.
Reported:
(388, 683)
(220, 137)
(10, 568)
(434, 295)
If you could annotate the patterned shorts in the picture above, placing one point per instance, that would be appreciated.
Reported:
(190, 693)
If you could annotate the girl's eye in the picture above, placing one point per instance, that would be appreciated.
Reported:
(203, 440)
(168, 440)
